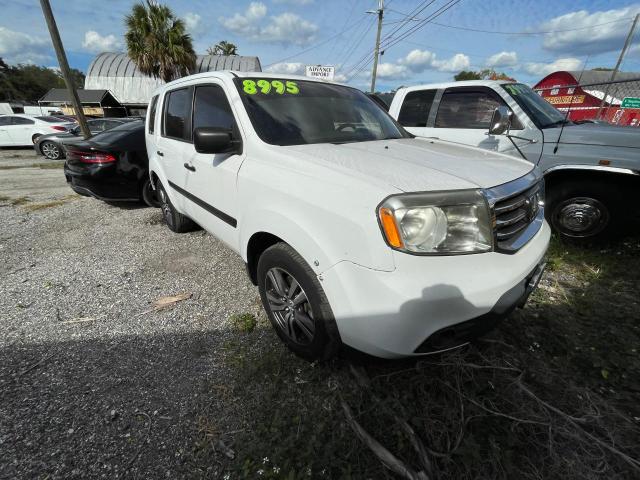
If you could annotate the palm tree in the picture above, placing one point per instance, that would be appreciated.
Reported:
(157, 42)
(223, 48)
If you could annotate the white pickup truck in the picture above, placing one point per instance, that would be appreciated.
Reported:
(354, 231)
(592, 171)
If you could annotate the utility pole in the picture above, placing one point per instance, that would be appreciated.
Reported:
(615, 70)
(376, 52)
(64, 67)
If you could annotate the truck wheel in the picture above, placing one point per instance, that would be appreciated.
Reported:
(582, 212)
(176, 221)
(296, 304)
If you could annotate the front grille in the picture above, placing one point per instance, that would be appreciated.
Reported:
(514, 214)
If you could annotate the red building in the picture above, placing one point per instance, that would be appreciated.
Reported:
(583, 102)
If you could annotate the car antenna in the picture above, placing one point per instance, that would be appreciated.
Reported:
(566, 116)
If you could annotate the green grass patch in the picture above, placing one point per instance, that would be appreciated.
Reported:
(43, 166)
(244, 322)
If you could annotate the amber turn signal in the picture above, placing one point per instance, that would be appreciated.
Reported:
(388, 222)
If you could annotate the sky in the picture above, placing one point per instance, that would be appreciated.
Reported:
(423, 41)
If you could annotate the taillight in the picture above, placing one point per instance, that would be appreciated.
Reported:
(58, 128)
(90, 157)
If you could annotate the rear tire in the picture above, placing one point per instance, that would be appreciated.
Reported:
(583, 212)
(176, 221)
(35, 138)
(149, 195)
(296, 304)
(51, 150)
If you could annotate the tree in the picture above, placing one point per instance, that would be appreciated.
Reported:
(467, 75)
(158, 43)
(223, 48)
(28, 83)
(602, 69)
(486, 74)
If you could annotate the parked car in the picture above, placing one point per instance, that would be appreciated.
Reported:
(51, 145)
(111, 166)
(592, 171)
(354, 231)
(22, 130)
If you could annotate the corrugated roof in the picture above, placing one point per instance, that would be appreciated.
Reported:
(120, 65)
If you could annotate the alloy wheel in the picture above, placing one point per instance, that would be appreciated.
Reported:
(165, 206)
(289, 306)
(50, 150)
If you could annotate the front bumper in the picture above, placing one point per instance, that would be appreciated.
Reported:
(430, 304)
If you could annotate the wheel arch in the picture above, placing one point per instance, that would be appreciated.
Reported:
(573, 173)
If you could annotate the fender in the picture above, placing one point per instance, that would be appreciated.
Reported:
(597, 168)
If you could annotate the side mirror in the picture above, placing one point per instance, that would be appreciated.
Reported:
(500, 121)
(214, 140)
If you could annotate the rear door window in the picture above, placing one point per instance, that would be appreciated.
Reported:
(469, 109)
(21, 121)
(416, 107)
(177, 114)
(5, 121)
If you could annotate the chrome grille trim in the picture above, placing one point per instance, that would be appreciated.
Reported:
(515, 213)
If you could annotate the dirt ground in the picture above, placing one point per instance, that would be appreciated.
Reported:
(96, 382)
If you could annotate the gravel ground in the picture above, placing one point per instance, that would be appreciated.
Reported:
(93, 384)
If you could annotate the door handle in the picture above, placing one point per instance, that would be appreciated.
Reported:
(190, 167)
(159, 153)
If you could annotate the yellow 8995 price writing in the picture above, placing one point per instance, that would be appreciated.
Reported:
(252, 87)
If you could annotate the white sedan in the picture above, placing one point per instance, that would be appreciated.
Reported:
(23, 130)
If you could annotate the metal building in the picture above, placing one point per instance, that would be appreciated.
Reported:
(117, 73)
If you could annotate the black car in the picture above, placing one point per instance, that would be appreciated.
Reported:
(111, 166)
(51, 145)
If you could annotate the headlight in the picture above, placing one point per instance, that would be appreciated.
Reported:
(437, 223)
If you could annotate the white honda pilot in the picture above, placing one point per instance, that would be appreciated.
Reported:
(355, 231)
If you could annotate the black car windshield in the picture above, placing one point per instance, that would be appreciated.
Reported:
(298, 112)
(541, 112)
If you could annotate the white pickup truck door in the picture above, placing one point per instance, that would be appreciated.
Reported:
(463, 115)
(212, 181)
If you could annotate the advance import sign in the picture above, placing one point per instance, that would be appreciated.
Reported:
(630, 102)
(325, 72)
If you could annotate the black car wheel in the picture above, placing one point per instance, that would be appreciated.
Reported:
(296, 304)
(51, 150)
(149, 195)
(582, 212)
(176, 221)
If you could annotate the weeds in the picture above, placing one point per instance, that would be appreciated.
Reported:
(244, 322)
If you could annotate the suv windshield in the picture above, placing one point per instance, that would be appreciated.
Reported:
(286, 112)
(541, 112)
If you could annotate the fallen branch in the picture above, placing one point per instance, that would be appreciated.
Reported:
(35, 365)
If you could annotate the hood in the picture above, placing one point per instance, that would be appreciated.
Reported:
(595, 134)
(419, 164)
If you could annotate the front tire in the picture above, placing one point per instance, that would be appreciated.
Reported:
(296, 304)
(51, 150)
(583, 212)
(176, 221)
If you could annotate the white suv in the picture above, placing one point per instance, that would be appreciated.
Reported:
(354, 231)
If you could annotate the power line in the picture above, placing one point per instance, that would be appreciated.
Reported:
(350, 51)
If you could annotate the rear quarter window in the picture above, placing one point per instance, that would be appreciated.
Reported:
(152, 114)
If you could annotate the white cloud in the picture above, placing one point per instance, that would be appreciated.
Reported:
(18, 47)
(193, 23)
(456, 63)
(391, 71)
(420, 60)
(284, 29)
(96, 43)
(542, 69)
(293, 68)
(600, 39)
(502, 59)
